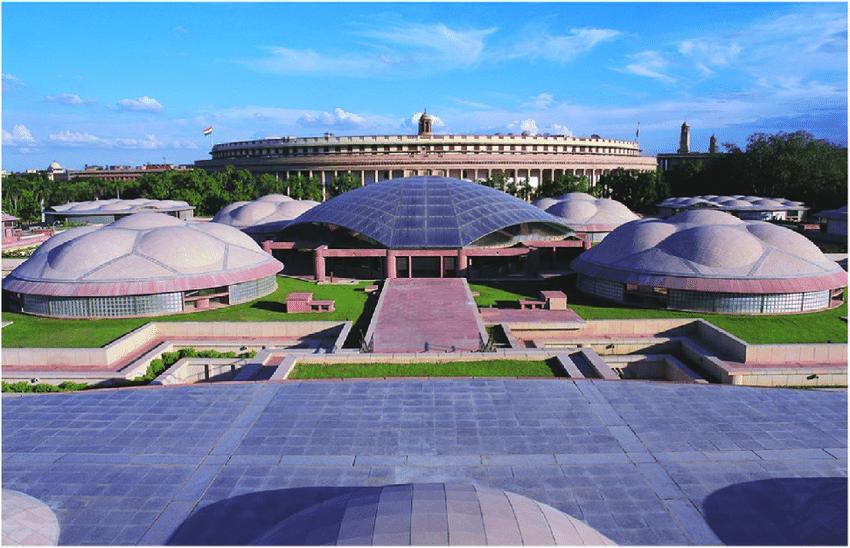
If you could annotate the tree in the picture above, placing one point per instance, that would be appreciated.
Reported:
(637, 190)
(562, 184)
(793, 165)
(342, 184)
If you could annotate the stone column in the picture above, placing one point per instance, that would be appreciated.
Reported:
(462, 264)
(391, 268)
(319, 262)
(362, 177)
(442, 271)
(376, 176)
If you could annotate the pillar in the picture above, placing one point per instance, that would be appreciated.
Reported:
(442, 271)
(462, 264)
(377, 176)
(319, 262)
(391, 268)
(362, 178)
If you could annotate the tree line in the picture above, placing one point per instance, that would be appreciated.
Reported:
(789, 165)
(207, 192)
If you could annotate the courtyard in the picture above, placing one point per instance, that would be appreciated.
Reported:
(641, 462)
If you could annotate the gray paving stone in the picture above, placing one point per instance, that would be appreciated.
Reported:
(592, 458)
(318, 460)
(521, 460)
(793, 454)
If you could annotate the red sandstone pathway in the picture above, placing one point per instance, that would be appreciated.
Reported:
(426, 314)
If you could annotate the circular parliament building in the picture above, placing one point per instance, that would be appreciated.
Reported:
(430, 227)
(146, 264)
(710, 261)
(374, 158)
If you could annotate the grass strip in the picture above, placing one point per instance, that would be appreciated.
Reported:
(485, 368)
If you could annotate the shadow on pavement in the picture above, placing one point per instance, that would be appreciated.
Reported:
(783, 511)
(298, 516)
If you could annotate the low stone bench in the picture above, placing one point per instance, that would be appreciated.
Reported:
(549, 300)
(303, 302)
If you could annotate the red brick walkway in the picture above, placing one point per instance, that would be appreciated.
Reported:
(426, 315)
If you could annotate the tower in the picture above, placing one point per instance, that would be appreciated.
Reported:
(685, 139)
(425, 123)
(712, 145)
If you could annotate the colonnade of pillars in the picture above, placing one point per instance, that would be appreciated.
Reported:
(534, 176)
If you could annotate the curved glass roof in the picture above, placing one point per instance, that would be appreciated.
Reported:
(437, 212)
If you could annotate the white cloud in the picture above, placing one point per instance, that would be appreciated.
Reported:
(10, 80)
(67, 99)
(541, 101)
(19, 136)
(337, 118)
(460, 47)
(76, 138)
(527, 126)
(650, 64)
(68, 138)
(413, 122)
(709, 55)
(560, 48)
(394, 49)
(560, 129)
(142, 104)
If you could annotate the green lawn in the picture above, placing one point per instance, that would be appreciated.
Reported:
(824, 326)
(493, 368)
(351, 304)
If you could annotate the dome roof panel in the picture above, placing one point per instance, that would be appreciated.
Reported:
(274, 198)
(147, 220)
(403, 207)
(714, 246)
(183, 249)
(87, 252)
(705, 217)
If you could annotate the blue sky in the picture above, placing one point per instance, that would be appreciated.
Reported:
(135, 83)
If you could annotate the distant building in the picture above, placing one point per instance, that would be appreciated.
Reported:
(99, 212)
(123, 173)
(667, 160)
(743, 207)
(374, 158)
(836, 223)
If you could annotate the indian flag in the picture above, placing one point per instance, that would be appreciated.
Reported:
(208, 131)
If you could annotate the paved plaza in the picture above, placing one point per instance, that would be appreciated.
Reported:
(641, 462)
(426, 315)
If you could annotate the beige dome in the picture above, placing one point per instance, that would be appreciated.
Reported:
(268, 213)
(707, 243)
(584, 213)
(154, 247)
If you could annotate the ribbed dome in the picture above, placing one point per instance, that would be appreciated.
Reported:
(140, 254)
(738, 202)
(118, 206)
(435, 212)
(266, 214)
(584, 213)
(709, 244)
(436, 514)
